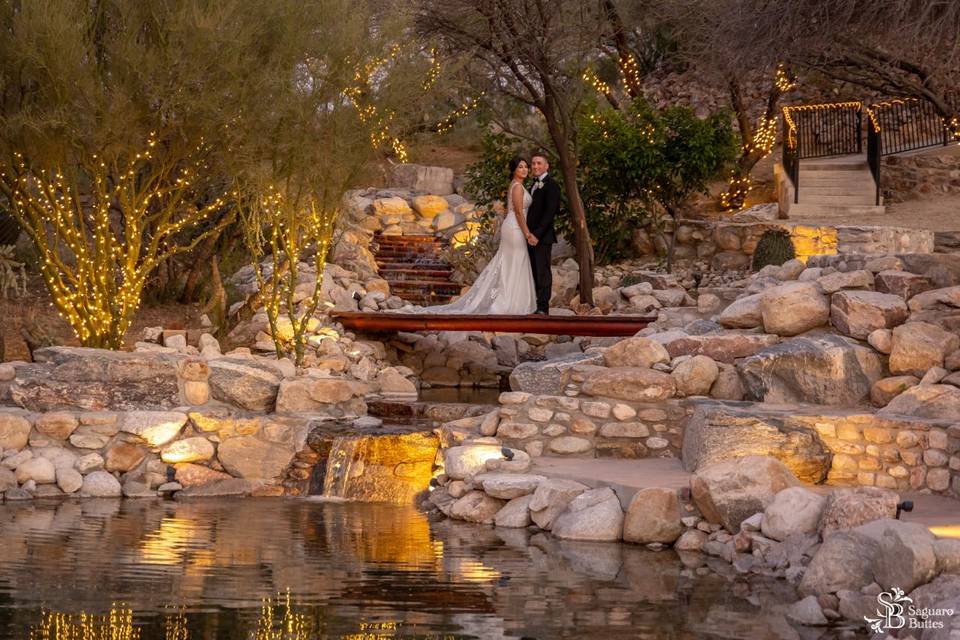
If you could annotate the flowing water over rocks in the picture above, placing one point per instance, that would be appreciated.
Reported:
(201, 570)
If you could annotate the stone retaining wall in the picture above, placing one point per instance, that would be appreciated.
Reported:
(590, 427)
(730, 245)
(819, 444)
(838, 447)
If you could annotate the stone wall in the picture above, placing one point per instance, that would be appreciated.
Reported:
(590, 427)
(818, 444)
(927, 174)
(730, 245)
(835, 446)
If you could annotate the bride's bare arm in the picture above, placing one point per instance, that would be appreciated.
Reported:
(516, 196)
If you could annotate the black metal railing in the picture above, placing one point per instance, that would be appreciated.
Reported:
(874, 153)
(900, 125)
(818, 131)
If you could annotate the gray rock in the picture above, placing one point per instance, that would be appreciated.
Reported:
(807, 612)
(843, 561)
(250, 458)
(593, 515)
(635, 352)
(695, 376)
(508, 486)
(71, 378)
(793, 308)
(859, 313)
(850, 508)
(629, 383)
(729, 492)
(918, 346)
(14, 431)
(825, 369)
(551, 498)
(476, 506)
(69, 480)
(794, 510)
(469, 459)
(947, 551)
(515, 514)
(716, 433)
(743, 313)
(40, 470)
(244, 383)
(653, 516)
(906, 558)
(548, 378)
(100, 484)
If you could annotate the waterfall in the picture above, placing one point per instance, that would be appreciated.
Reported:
(340, 462)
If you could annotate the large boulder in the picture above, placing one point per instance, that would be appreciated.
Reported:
(549, 377)
(695, 376)
(717, 434)
(794, 510)
(630, 383)
(902, 283)
(551, 498)
(71, 378)
(886, 389)
(469, 459)
(926, 401)
(423, 178)
(918, 346)
(593, 515)
(507, 486)
(906, 558)
(722, 347)
(307, 394)
(848, 508)
(843, 562)
(249, 457)
(515, 514)
(476, 506)
(653, 516)
(244, 383)
(635, 352)
(946, 299)
(743, 313)
(793, 308)
(858, 313)
(730, 492)
(825, 369)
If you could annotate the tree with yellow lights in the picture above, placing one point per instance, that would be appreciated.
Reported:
(130, 127)
(362, 81)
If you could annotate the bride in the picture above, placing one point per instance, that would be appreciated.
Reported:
(505, 286)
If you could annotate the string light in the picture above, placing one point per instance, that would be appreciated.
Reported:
(98, 291)
(451, 119)
(792, 126)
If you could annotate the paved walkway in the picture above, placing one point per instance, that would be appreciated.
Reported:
(626, 477)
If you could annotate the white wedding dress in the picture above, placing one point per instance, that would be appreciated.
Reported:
(505, 286)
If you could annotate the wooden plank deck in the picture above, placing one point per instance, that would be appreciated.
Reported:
(596, 326)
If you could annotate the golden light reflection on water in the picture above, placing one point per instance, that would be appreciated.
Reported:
(167, 544)
(476, 572)
(291, 625)
(116, 625)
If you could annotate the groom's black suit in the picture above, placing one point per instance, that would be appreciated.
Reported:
(543, 209)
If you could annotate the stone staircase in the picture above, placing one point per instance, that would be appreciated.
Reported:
(415, 268)
(831, 187)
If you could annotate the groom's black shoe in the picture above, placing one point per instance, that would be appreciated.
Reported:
(540, 312)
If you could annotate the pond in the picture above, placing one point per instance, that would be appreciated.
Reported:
(292, 569)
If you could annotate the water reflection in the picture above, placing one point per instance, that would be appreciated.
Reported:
(273, 569)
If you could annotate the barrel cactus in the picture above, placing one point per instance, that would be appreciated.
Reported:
(774, 247)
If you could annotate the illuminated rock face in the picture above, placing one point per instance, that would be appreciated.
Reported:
(392, 468)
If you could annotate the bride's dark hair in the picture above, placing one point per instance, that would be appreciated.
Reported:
(514, 163)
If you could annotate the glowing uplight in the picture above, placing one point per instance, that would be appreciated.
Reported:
(946, 531)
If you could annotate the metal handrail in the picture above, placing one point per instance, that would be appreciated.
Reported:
(899, 125)
(817, 131)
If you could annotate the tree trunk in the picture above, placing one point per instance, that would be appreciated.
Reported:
(582, 242)
(673, 238)
(200, 261)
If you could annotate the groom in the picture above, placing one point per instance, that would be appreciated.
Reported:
(543, 209)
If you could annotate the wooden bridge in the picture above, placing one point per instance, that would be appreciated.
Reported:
(598, 326)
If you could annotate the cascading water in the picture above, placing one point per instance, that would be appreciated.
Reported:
(340, 466)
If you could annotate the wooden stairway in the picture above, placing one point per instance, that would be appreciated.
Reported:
(415, 268)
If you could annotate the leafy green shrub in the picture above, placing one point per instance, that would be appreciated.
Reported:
(774, 247)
